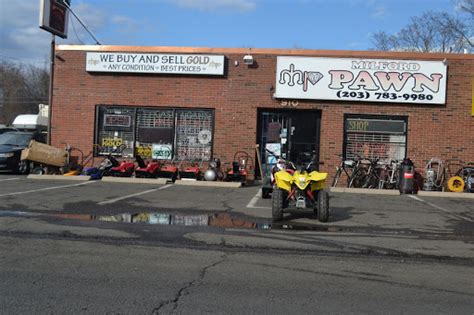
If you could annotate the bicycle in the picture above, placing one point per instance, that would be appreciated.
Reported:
(389, 175)
(346, 166)
(373, 177)
(359, 174)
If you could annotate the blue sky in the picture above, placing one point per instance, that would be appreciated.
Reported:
(307, 24)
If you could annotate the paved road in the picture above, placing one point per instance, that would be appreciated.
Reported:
(60, 253)
(88, 276)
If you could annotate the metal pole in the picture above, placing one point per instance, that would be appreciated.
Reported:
(51, 78)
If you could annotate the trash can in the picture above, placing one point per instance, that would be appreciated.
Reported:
(407, 177)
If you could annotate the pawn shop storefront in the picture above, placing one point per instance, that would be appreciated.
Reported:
(195, 104)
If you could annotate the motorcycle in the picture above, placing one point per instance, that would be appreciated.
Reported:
(301, 188)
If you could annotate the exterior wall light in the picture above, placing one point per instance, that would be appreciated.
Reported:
(248, 60)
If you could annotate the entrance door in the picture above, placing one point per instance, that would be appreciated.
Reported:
(291, 134)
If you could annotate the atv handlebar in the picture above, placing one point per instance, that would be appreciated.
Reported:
(306, 166)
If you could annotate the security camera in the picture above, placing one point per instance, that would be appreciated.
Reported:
(248, 59)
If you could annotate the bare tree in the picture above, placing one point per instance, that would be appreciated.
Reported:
(22, 88)
(430, 32)
(467, 6)
(384, 41)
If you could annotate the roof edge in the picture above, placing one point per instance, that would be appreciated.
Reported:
(263, 51)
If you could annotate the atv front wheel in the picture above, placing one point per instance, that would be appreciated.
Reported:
(277, 204)
(323, 206)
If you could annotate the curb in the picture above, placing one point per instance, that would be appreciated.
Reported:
(59, 177)
(134, 180)
(208, 184)
(365, 191)
(421, 193)
(445, 194)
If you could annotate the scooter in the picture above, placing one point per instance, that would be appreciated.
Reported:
(146, 169)
(304, 188)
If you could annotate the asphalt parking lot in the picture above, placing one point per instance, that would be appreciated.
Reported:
(348, 210)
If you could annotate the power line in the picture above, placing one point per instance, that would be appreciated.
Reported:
(82, 23)
(74, 29)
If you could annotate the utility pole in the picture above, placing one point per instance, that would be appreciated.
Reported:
(54, 19)
(51, 78)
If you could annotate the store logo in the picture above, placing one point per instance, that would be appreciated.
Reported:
(292, 77)
(93, 61)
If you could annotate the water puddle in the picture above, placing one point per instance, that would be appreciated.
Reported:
(222, 220)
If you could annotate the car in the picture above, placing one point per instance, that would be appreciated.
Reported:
(11, 145)
(4, 129)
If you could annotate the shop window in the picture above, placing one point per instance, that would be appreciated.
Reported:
(194, 135)
(155, 133)
(163, 134)
(382, 137)
(116, 131)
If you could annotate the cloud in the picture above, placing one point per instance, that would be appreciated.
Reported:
(380, 12)
(212, 5)
(90, 15)
(126, 24)
(21, 39)
(94, 19)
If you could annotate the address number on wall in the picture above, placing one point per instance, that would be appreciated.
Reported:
(289, 103)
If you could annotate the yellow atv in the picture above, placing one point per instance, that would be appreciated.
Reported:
(300, 189)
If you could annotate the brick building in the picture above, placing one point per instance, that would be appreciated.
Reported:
(200, 103)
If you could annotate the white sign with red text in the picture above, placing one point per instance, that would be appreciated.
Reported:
(373, 80)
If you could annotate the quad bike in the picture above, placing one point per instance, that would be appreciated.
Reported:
(146, 169)
(300, 188)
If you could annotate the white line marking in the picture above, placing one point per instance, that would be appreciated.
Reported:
(133, 195)
(254, 200)
(43, 189)
(7, 179)
(456, 216)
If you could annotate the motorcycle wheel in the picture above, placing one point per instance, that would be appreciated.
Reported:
(323, 206)
(277, 204)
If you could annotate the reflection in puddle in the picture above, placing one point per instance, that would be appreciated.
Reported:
(223, 220)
